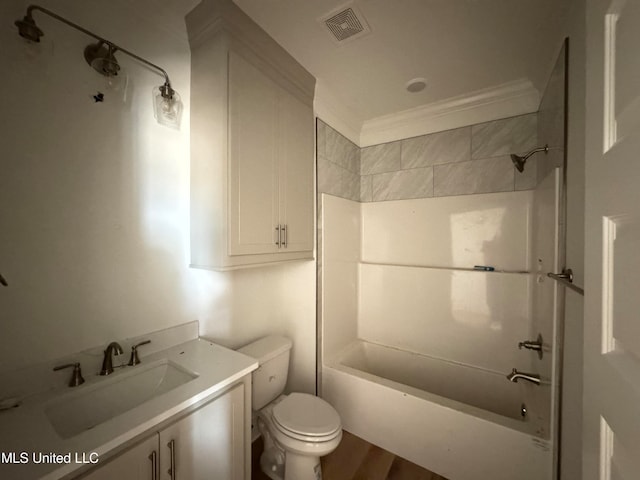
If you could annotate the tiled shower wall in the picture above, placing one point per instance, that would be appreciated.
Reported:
(462, 161)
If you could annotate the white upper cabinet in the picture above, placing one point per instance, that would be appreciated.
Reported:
(252, 144)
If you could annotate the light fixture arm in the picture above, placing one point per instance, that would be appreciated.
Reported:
(167, 91)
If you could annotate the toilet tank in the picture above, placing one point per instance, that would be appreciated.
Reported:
(269, 379)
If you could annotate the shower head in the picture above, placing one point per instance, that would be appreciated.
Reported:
(28, 29)
(519, 161)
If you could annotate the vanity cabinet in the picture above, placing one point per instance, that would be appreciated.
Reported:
(252, 144)
(206, 443)
(135, 463)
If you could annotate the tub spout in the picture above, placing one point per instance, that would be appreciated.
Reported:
(529, 377)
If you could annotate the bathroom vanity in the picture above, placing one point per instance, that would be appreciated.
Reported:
(184, 412)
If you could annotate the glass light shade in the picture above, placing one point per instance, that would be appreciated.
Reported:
(167, 111)
(115, 80)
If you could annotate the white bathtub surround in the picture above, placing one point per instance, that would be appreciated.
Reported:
(340, 260)
(460, 231)
(434, 337)
(454, 439)
(468, 317)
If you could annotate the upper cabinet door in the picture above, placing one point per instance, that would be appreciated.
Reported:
(253, 153)
(296, 173)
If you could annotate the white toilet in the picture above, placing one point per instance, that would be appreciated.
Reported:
(298, 426)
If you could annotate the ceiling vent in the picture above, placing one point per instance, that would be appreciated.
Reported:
(345, 24)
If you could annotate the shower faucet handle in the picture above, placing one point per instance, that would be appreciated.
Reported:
(532, 345)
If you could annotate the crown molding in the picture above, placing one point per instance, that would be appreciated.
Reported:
(506, 100)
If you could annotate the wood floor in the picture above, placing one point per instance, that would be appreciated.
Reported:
(356, 459)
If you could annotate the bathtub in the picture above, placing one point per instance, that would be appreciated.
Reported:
(461, 422)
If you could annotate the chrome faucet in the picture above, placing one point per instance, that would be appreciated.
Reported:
(529, 377)
(107, 362)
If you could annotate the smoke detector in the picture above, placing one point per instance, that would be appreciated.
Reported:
(345, 24)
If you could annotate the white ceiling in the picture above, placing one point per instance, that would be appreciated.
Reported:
(459, 46)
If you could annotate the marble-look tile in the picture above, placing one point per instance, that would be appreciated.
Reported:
(503, 137)
(380, 158)
(528, 179)
(321, 138)
(477, 176)
(442, 147)
(365, 188)
(341, 151)
(415, 183)
(330, 177)
(351, 185)
(336, 180)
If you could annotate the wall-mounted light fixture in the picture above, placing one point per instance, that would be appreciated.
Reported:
(167, 105)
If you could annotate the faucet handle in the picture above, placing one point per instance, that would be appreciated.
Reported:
(76, 376)
(536, 345)
(135, 360)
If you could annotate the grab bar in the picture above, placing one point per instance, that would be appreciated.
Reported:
(566, 279)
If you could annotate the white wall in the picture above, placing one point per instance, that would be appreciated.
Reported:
(94, 201)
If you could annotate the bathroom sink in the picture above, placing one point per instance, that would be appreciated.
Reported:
(95, 404)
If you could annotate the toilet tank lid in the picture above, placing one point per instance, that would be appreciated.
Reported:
(267, 348)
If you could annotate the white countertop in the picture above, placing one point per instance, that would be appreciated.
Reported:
(27, 429)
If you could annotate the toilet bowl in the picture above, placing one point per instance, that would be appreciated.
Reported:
(305, 428)
(299, 427)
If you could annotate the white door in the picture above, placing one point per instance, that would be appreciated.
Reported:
(207, 444)
(136, 463)
(612, 275)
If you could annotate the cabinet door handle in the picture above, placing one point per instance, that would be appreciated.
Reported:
(172, 468)
(284, 231)
(278, 236)
(154, 465)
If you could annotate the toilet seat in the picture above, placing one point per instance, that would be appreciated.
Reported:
(306, 417)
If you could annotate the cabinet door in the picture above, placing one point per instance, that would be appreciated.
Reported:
(253, 169)
(207, 444)
(296, 172)
(136, 463)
